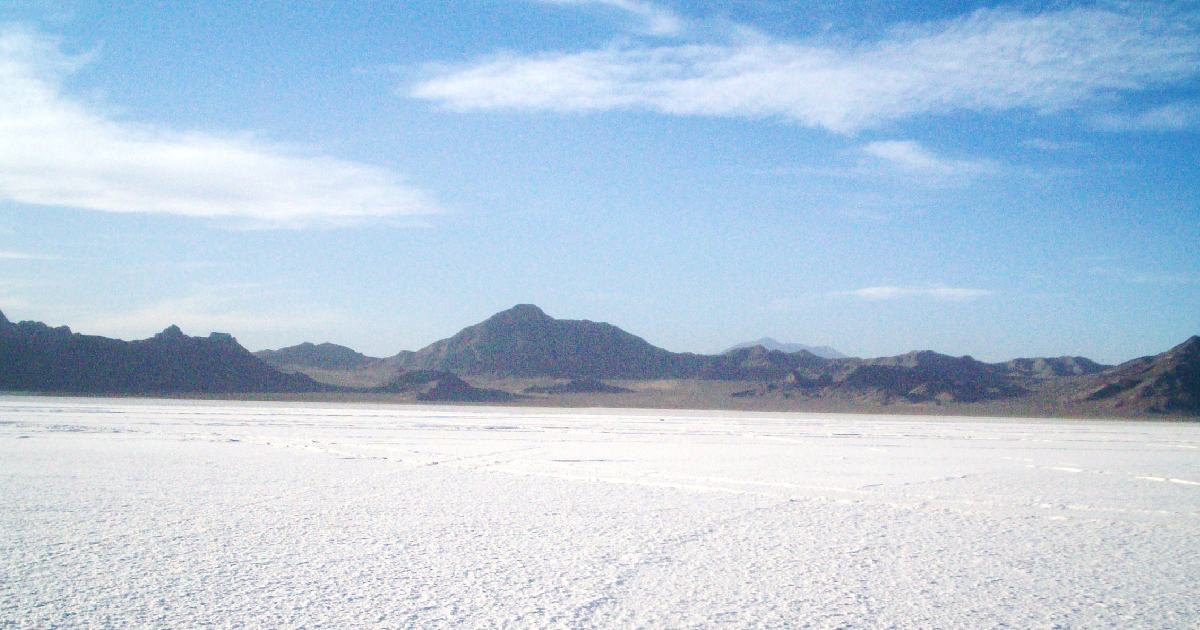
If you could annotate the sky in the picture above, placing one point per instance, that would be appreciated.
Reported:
(992, 179)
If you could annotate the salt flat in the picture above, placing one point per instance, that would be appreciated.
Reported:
(176, 513)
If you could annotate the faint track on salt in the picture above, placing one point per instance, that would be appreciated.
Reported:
(658, 552)
(650, 479)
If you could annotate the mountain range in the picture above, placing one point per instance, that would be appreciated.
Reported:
(771, 344)
(523, 354)
(36, 357)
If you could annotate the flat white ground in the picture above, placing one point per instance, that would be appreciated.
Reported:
(167, 513)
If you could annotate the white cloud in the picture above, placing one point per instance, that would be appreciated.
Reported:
(936, 292)
(655, 20)
(1171, 117)
(59, 151)
(910, 157)
(990, 60)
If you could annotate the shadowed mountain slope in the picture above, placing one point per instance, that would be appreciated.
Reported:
(36, 357)
(1052, 367)
(924, 376)
(1164, 382)
(759, 363)
(524, 341)
(325, 356)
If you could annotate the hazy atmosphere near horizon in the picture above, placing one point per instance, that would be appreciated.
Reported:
(994, 179)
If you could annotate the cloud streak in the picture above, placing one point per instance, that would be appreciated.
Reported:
(655, 20)
(936, 292)
(910, 157)
(991, 60)
(57, 151)
(1170, 117)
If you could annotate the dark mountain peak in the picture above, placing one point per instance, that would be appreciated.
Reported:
(1190, 348)
(174, 335)
(766, 354)
(758, 363)
(1185, 355)
(755, 351)
(1163, 382)
(525, 341)
(3, 320)
(170, 333)
(1052, 367)
(923, 359)
(326, 356)
(754, 355)
(520, 314)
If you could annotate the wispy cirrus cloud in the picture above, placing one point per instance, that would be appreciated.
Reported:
(1171, 117)
(59, 151)
(935, 292)
(911, 157)
(654, 19)
(896, 161)
(988, 61)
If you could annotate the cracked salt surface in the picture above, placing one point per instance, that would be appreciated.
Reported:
(170, 513)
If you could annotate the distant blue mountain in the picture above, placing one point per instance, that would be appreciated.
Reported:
(771, 344)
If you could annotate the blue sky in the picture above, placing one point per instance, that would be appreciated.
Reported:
(993, 179)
